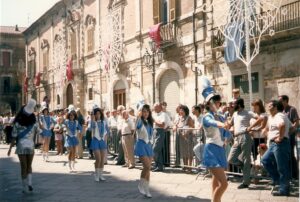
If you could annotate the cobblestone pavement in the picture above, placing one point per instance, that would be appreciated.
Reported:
(52, 182)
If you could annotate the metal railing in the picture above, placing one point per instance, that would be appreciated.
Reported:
(168, 35)
(288, 17)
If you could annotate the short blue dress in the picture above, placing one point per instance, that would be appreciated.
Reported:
(71, 138)
(46, 121)
(141, 147)
(102, 127)
(214, 156)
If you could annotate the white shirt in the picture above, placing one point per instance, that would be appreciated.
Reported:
(119, 122)
(198, 121)
(113, 122)
(273, 124)
(287, 124)
(160, 117)
(127, 126)
(241, 120)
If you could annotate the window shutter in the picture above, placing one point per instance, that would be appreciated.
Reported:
(172, 10)
(156, 12)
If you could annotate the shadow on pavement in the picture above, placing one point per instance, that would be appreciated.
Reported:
(73, 187)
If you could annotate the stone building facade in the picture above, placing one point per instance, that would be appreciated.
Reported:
(12, 68)
(91, 51)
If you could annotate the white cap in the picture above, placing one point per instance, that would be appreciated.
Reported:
(71, 108)
(43, 106)
(29, 108)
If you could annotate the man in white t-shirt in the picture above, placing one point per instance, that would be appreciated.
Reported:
(277, 158)
(198, 118)
(160, 124)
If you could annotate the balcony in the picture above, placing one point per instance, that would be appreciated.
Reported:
(168, 35)
(283, 24)
(164, 35)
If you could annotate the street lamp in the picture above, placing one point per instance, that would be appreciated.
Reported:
(197, 71)
(150, 60)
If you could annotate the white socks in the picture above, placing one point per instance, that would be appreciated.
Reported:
(147, 190)
(144, 188)
(73, 165)
(97, 174)
(141, 186)
(70, 167)
(29, 177)
(101, 174)
(25, 186)
(44, 156)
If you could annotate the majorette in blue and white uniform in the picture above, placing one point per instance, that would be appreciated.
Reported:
(46, 121)
(214, 155)
(99, 131)
(72, 129)
(143, 146)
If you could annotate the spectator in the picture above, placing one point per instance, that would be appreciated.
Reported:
(292, 114)
(120, 158)
(160, 124)
(235, 93)
(88, 136)
(199, 133)
(81, 121)
(127, 129)
(277, 158)
(132, 115)
(240, 153)
(186, 143)
(256, 132)
(59, 131)
(113, 124)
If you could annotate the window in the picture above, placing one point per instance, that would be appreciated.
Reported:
(6, 84)
(90, 40)
(58, 99)
(6, 58)
(90, 93)
(164, 11)
(45, 60)
(73, 43)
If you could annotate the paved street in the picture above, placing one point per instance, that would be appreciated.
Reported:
(52, 182)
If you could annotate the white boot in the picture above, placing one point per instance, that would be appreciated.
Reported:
(96, 175)
(44, 156)
(47, 157)
(147, 189)
(73, 165)
(25, 186)
(101, 174)
(141, 186)
(70, 167)
(29, 177)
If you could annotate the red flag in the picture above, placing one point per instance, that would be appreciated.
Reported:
(26, 84)
(70, 74)
(154, 34)
(37, 78)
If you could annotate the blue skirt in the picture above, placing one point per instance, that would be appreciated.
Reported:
(71, 141)
(214, 156)
(143, 149)
(46, 133)
(98, 144)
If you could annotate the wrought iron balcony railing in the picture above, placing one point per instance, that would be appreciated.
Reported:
(288, 17)
(168, 35)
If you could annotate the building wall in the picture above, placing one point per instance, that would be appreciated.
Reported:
(192, 48)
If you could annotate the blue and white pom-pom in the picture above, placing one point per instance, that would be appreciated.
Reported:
(140, 105)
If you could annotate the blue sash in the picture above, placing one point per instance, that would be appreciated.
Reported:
(25, 132)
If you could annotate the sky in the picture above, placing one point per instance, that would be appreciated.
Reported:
(23, 12)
